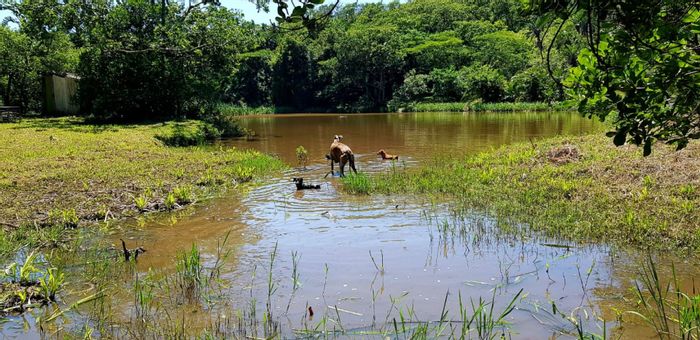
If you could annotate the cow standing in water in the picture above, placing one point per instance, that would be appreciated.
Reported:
(342, 154)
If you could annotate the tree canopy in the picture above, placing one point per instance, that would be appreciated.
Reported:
(641, 65)
(146, 59)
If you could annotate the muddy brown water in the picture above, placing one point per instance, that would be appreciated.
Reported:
(333, 234)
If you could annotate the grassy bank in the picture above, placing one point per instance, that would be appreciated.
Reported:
(479, 107)
(58, 174)
(578, 188)
(241, 110)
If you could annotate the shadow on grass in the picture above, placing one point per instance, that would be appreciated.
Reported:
(77, 124)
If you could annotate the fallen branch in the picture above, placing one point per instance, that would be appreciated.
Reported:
(14, 226)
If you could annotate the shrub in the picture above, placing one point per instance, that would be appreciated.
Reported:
(226, 125)
(189, 133)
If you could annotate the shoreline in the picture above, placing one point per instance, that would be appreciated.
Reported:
(577, 188)
(59, 174)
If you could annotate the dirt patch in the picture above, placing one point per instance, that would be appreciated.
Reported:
(564, 154)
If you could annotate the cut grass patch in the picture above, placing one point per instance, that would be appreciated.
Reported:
(577, 188)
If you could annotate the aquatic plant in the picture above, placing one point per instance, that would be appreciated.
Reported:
(51, 282)
(188, 269)
(671, 312)
(27, 269)
(302, 156)
(358, 183)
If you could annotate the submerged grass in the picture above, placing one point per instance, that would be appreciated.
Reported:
(58, 174)
(672, 313)
(577, 188)
(478, 107)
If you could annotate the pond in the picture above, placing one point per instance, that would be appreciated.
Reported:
(362, 262)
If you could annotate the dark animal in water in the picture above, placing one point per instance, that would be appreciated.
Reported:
(342, 154)
(386, 155)
(301, 186)
(128, 253)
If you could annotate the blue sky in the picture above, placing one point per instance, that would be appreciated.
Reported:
(248, 9)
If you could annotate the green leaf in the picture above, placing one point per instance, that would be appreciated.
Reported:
(298, 12)
(620, 137)
(681, 144)
(316, 2)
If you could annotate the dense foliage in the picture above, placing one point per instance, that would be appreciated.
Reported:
(641, 65)
(143, 59)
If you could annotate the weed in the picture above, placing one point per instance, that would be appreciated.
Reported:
(28, 269)
(183, 195)
(64, 218)
(357, 183)
(169, 202)
(687, 191)
(242, 110)
(141, 202)
(189, 133)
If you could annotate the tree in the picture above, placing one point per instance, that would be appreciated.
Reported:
(532, 85)
(438, 50)
(37, 48)
(641, 65)
(506, 51)
(368, 65)
(415, 88)
(293, 72)
(482, 82)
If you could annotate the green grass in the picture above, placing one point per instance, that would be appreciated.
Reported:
(242, 110)
(58, 174)
(479, 107)
(590, 192)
